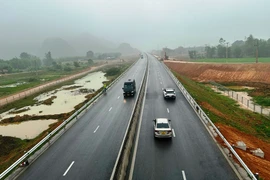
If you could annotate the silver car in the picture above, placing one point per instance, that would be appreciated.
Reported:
(162, 128)
(169, 93)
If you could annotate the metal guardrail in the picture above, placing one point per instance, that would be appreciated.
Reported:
(62, 125)
(115, 172)
(196, 107)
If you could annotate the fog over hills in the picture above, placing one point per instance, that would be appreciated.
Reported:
(58, 47)
(64, 47)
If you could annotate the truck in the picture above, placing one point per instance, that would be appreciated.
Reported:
(129, 88)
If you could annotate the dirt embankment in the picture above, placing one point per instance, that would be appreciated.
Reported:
(249, 74)
(256, 73)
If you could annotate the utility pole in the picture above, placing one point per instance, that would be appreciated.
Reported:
(257, 50)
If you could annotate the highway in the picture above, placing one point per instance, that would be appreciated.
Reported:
(88, 150)
(191, 154)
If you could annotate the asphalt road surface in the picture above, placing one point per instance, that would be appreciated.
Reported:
(191, 154)
(88, 150)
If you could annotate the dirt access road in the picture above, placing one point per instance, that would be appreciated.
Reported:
(245, 74)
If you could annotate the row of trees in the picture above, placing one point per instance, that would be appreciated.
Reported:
(112, 55)
(25, 62)
(238, 49)
(28, 62)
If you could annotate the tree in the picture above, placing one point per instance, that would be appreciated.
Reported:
(221, 49)
(237, 52)
(222, 41)
(25, 55)
(192, 54)
(210, 51)
(90, 61)
(56, 65)
(76, 64)
(249, 46)
(48, 59)
(5, 67)
(89, 54)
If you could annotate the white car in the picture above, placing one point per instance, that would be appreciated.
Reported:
(162, 128)
(169, 93)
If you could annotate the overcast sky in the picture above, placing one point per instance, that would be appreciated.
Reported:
(145, 24)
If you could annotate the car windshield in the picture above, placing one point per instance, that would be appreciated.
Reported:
(169, 91)
(162, 125)
(128, 84)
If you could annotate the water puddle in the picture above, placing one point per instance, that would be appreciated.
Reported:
(27, 129)
(13, 85)
(63, 100)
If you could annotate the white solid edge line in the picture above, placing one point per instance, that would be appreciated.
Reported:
(184, 175)
(110, 109)
(68, 168)
(96, 129)
(173, 132)
(168, 110)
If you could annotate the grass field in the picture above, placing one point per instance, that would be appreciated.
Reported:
(31, 79)
(234, 60)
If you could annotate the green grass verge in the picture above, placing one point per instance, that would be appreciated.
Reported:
(261, 100)
(225, 110)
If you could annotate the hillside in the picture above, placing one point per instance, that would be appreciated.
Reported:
(244, 73)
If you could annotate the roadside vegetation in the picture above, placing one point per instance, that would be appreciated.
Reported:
(224, 110)
(249, 48)
(260, 93)
(233, 60)
(13, 148)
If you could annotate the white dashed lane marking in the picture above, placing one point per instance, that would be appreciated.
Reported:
(96, 129)
(68, 168)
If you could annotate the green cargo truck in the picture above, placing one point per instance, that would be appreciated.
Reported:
(129, 88)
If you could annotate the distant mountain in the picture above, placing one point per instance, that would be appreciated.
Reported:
(58, 48)
(238, 43)
(126, 49)
(85, 42)
(64, 47)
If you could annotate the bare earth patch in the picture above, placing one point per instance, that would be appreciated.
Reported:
(256, 164)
